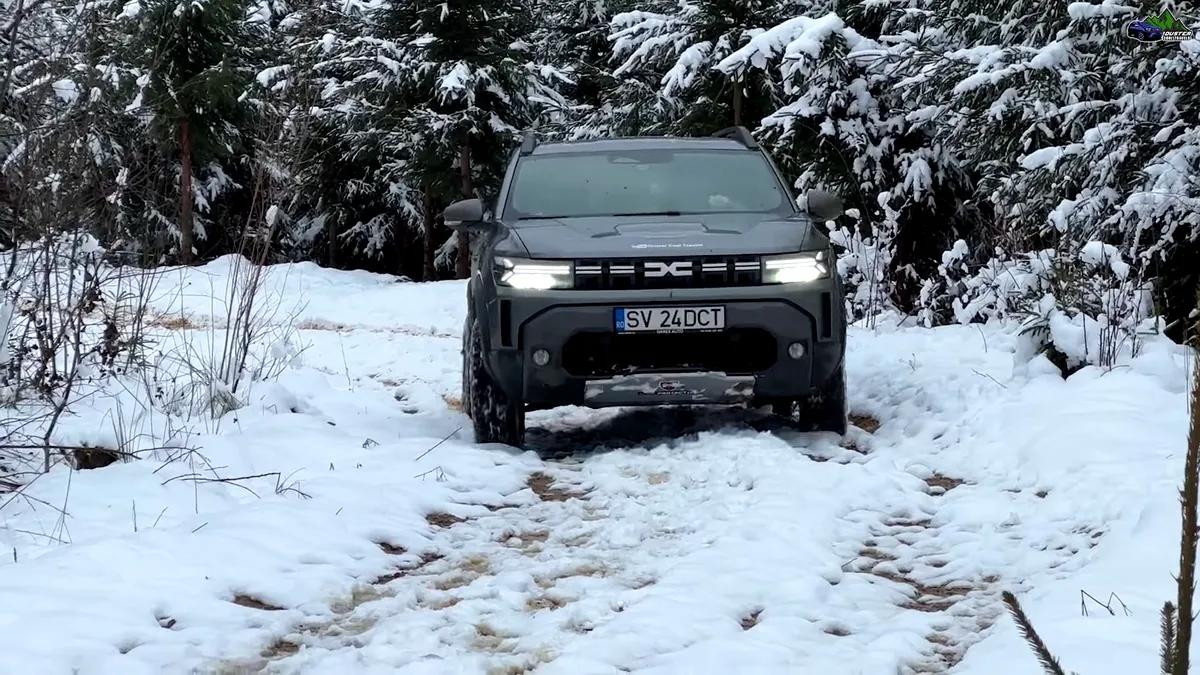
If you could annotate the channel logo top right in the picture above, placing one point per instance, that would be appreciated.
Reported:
(1162, 28)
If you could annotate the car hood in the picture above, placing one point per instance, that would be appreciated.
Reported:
(642, 237)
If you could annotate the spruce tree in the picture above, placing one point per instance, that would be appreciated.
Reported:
(1066, 123)
(463, 86)
(844, 127)
(194, 60)
(676, 48)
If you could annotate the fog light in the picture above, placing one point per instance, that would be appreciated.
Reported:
(796, 350)
(541, 357)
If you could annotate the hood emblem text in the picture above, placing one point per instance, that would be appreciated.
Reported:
(643, 246)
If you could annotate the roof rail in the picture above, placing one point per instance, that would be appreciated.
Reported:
(528, 142)
(739, 134)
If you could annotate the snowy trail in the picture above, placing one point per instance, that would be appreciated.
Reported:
(667, 543)
(664, 542)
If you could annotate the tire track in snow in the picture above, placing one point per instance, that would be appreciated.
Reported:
(447, 588)
(601, 562)
(585, 543)
(928, 546)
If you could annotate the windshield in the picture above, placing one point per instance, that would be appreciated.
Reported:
(645, 182)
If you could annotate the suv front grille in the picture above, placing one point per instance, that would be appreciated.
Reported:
(690, 272)
(740, 351)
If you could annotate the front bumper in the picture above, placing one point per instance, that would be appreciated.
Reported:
(523, 322)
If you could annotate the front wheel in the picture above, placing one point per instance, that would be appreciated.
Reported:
(824, 411)
(464, 398)
(827, 411)
(496, 417)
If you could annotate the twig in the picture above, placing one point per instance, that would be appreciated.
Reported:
(989, 377)
(435, 445)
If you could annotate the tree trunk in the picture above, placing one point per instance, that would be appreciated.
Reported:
(186, 198)
(428, 272)
(462, 262)
(737, 101)
(331, 235)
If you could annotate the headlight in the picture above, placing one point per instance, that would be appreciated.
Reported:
(795, 268)
(532, 275)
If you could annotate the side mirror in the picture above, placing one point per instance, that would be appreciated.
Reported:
(824, 206)
(465, 214)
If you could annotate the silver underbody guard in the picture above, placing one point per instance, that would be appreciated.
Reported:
(670, 388)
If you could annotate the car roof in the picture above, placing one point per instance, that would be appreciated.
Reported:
(638, 143)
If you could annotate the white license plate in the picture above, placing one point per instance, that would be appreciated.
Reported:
(669, 319)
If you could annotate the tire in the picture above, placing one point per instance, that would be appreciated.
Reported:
(827, 410)
(821, 412)
(464, 399)
(496, 417)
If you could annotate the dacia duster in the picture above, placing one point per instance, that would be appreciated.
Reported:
(650, 271)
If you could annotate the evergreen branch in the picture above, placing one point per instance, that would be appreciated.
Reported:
(1049, 664)
(1167, 648)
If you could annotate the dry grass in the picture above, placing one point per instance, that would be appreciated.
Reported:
(751, 620)
(897, 523)
(865, 422)
(318, 324)
(490, 639)
(870, 551)
(543, 486)
(359, 595)
(251, 602)
(543, 603)
(529, 542)
(584, 570)
(280, 649)
(426, 558)
(466, 572)
(175, 322)
(337, 327)
(940, 484)
(443, 520)
(529, 663)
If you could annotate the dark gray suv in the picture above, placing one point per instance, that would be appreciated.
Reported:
(650, 271)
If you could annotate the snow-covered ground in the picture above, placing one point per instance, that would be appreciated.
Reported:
(342, 521)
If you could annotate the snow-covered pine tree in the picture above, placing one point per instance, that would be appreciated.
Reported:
(674, 48)
(573, 37)
(1058, 117)
(329, 74)
(60, 117)
(463, 86)
(193, 61)
(1172, 190)
(844, 128)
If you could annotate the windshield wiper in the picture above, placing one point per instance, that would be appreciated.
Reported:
(646, 213)
(540, 217)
